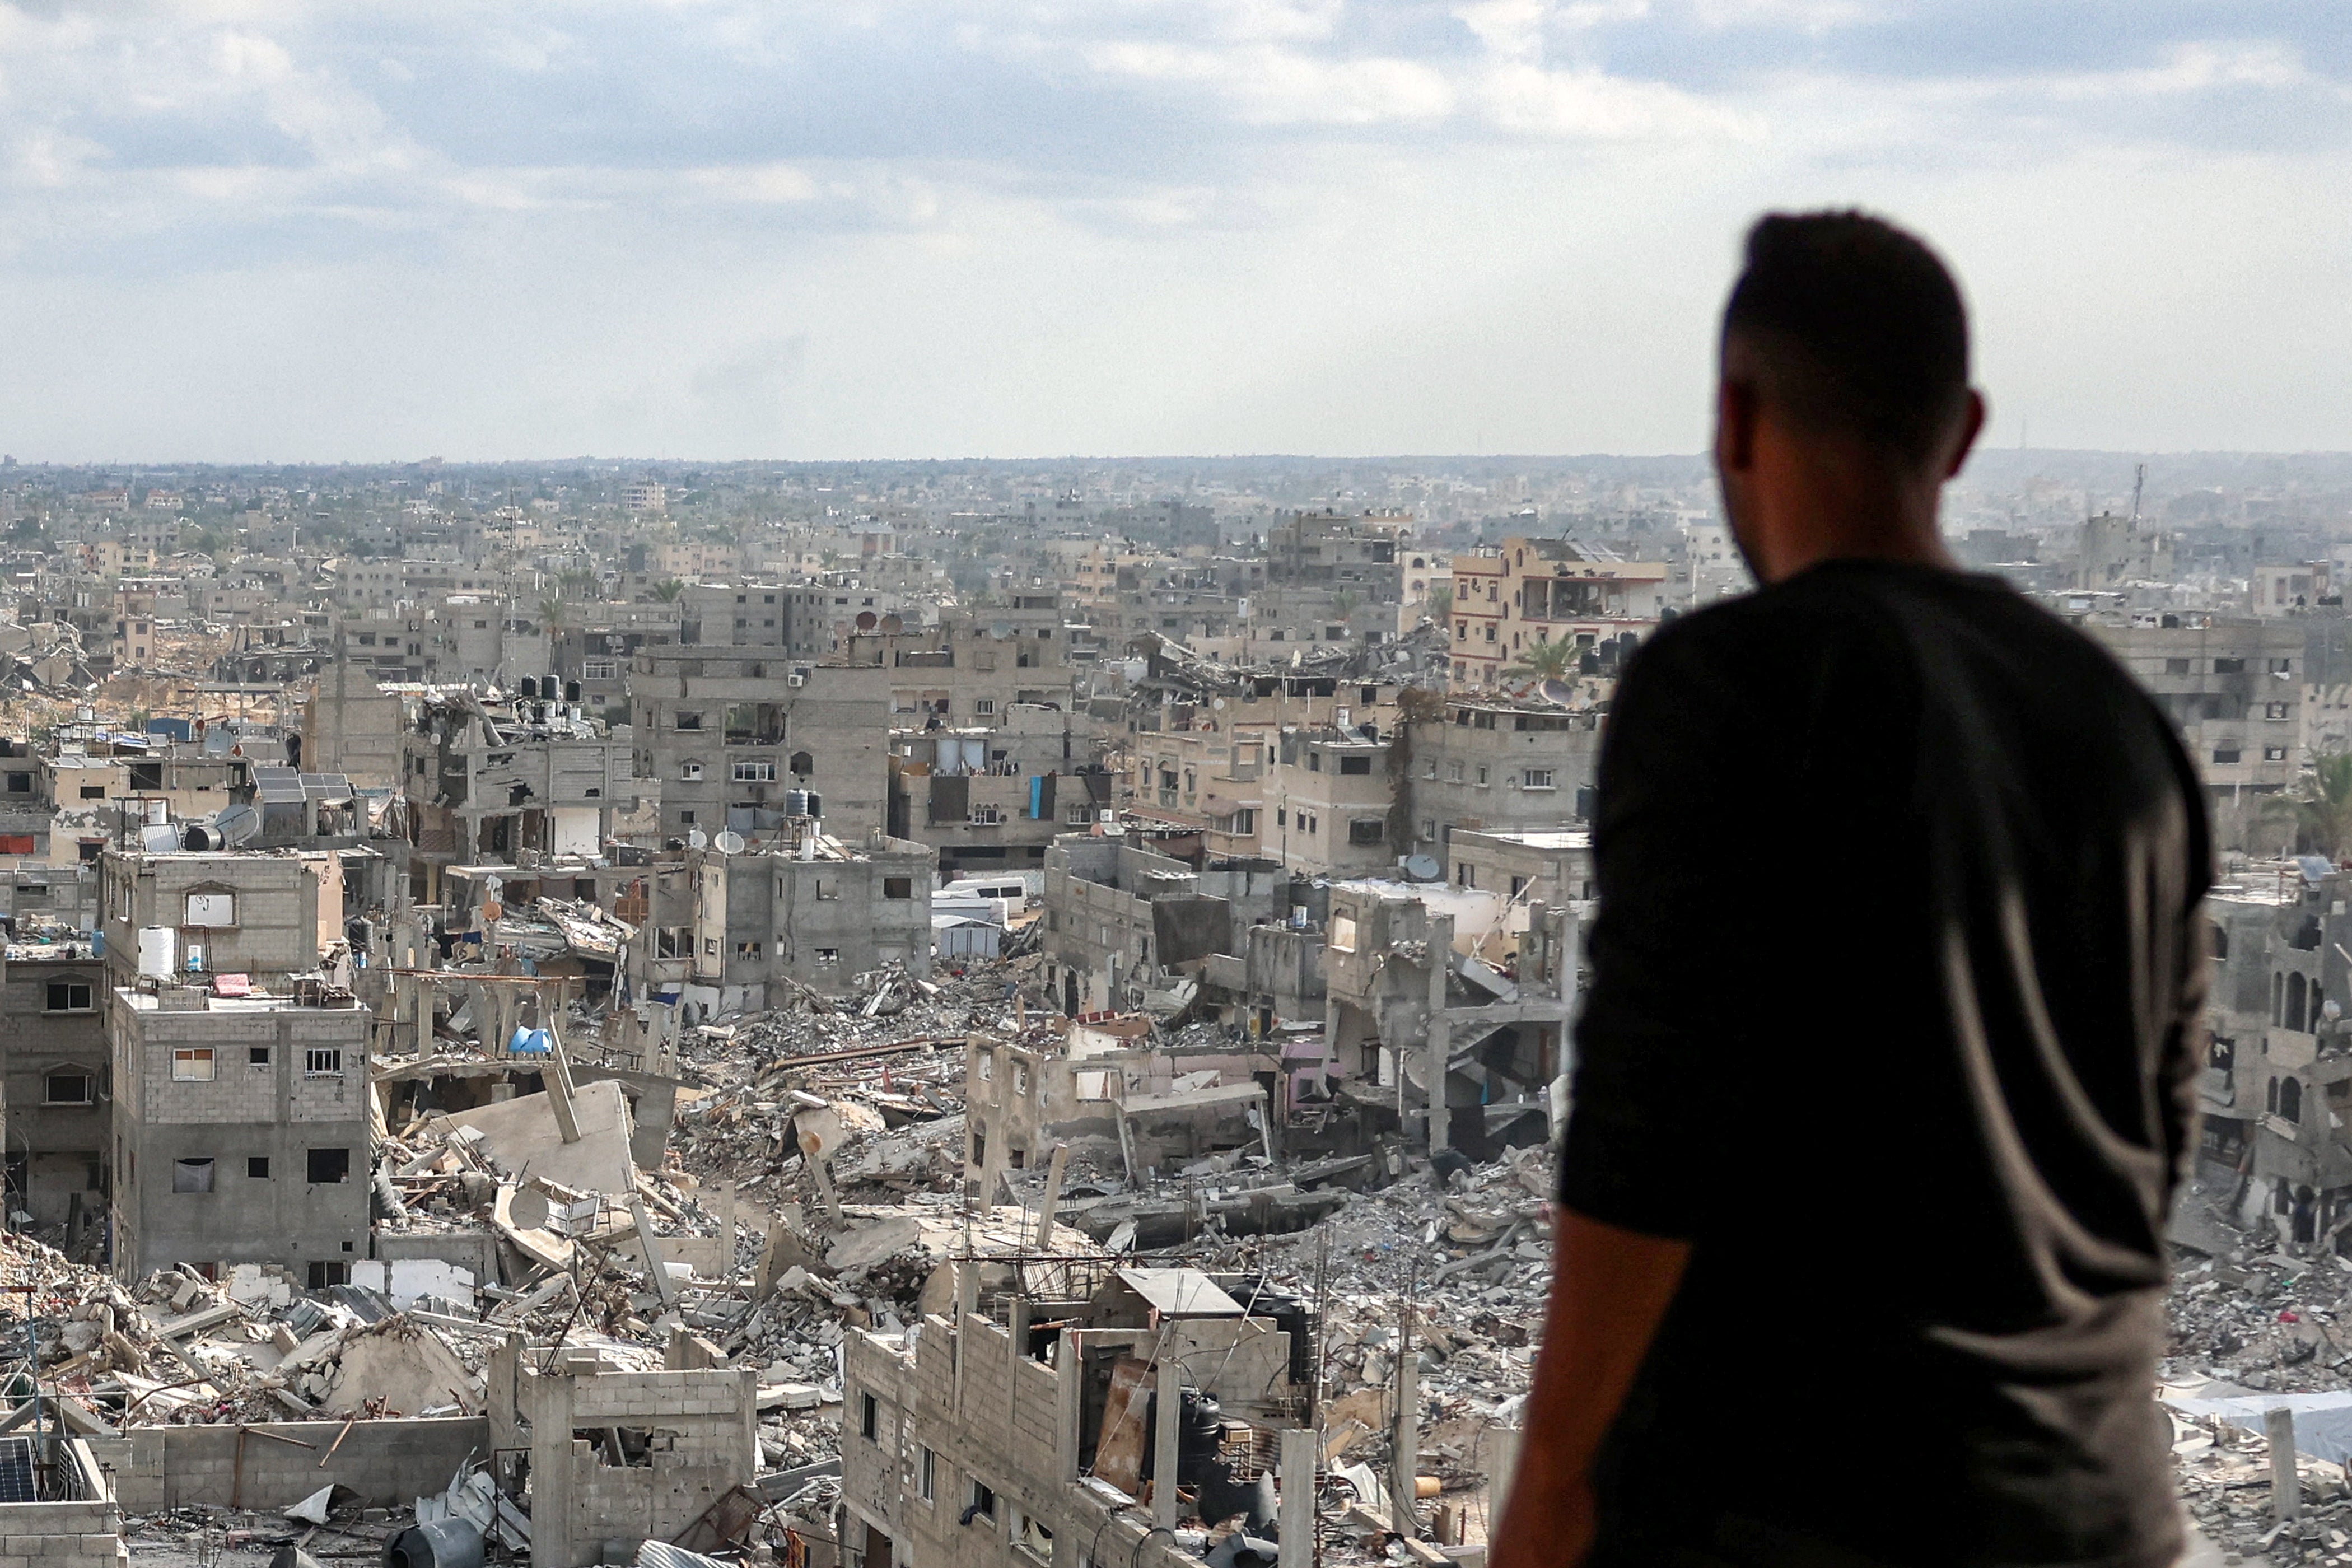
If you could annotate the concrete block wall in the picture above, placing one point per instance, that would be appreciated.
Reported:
(706, 1420)
(388, 1463)
(61, 1535)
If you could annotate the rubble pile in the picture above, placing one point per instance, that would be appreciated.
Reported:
(2224, 1474)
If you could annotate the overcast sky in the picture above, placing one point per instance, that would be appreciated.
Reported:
(861, 228)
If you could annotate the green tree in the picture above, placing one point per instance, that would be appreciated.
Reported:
(2319, 814)
(669, 589)
(1553, 660)
(1441, 600)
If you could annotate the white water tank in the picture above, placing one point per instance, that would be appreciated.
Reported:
(155, 950)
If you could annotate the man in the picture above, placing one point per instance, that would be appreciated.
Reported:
(1884, 1079)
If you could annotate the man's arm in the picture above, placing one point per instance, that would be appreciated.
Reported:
(1610, 1290)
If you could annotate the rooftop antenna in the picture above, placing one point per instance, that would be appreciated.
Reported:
(2140, 479)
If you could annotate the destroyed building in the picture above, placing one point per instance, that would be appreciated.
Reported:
(499, 781)
(1069, 1416)
(1448, 995)
(1122, 922)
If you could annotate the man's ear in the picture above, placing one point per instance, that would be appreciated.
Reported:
(1735, 427)
(1972, 422)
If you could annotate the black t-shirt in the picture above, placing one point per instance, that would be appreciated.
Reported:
(1893, 1015)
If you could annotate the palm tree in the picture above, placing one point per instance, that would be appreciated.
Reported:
(669, 589)
(551, 612)
(2320, 814)
(1553, 660)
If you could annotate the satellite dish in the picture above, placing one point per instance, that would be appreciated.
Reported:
(728, 842)
(1558, 690)
(1218, 703)
(696, 838)
(865, 620)
(492, 910)
(1423, 867)
(893, 624)
(527, 1210)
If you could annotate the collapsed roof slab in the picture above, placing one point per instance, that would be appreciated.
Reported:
(523, 1139)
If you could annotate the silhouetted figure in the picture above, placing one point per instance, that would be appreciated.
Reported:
(1884, 1082)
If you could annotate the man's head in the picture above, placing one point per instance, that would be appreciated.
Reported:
(1844, 401)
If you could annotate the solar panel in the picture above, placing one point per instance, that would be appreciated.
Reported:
(17, 1482)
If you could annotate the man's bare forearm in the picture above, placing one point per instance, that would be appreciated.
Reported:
(1610, 1290)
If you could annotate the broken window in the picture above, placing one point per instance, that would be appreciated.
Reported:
(2290, 1098)
(826, 955)
(869, 1416)
(334, 1272)
(191, 1063)
(1355, 764)
(329, 1166)
(192, 1176)
(983, 1502)
(748, 949)
(1343, 932)
(897, 886)
(1366, 830)
(322, 1061)
(690, 771)
(256, 1167)
(256, 1055)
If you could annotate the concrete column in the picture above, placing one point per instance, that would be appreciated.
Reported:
(1067, 1416)
(2286, 1485)
(1165, 1430)
(1440, 1042)
(1404, 1460)
(1299, 1453)
(1502, 1468)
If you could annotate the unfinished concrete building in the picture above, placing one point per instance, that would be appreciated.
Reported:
(731, 741)
(1437, 996)
(241, 1129)
(1086, 1417)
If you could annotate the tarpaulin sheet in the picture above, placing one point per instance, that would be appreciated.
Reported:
(2323, 1422)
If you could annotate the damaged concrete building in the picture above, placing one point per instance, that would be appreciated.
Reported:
(732, 737)
(1122, 922)
(499, 781)
(1449, 996)
(743, 933)
(1102, 1417)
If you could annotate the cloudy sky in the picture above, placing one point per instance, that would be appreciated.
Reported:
(368, 229)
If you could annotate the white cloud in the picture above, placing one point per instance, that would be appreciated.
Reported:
(1109, 225)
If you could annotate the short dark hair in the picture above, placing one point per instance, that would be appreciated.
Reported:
(1856, 330)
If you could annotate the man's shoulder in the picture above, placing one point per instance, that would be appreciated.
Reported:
(1901, 613)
